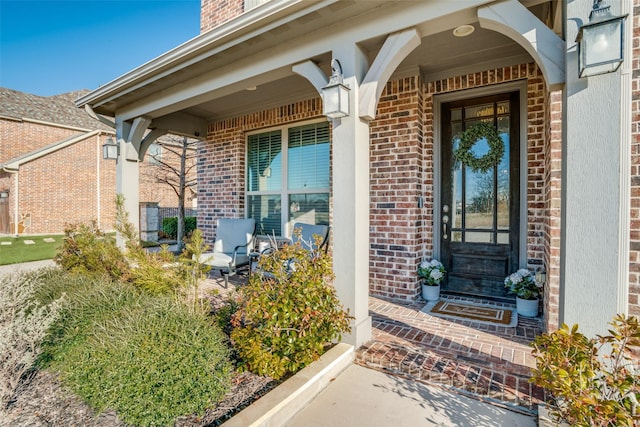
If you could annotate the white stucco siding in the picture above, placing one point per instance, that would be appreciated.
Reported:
(592, 208)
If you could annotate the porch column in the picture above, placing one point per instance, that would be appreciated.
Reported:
(350, 185)
(129, 136)
(595, 185)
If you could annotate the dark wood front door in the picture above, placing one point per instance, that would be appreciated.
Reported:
(479, 210)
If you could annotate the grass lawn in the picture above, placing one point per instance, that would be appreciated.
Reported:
(19, 251)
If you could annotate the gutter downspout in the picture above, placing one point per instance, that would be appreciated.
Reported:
(98, 198)
(15, 205)
(15, 198)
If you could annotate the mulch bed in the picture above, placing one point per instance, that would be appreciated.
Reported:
(43, 401)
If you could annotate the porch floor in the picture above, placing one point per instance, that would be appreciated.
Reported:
(490, 363)
(485, 362)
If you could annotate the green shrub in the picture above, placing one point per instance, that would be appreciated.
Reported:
(170, 226)
(592, 382)
(149, 357)
(155, 272)
(24, 322)
(88, 301)
(88, 250)
(287, 318)
(152, 365)
(194, 271)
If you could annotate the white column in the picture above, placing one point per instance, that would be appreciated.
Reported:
(127, 176)
(351, 201)
(595, 211)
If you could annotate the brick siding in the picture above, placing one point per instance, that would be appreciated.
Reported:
(215, 12)
(62, 187)
(401, 156)
(634, 237)
(401, 171)
(535, 135)
(20, 137)
(221, 161)
(552, 200)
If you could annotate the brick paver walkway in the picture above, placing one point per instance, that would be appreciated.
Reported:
(488, 362)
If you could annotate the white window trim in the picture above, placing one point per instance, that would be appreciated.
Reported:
(283, 192)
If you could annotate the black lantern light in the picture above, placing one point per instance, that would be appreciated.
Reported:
(600, 42)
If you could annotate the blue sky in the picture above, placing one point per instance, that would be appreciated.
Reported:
(51, 47)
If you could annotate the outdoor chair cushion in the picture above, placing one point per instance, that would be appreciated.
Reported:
(234, 233)
(219, 260)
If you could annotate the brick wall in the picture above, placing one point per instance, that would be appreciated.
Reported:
(63, 186)
(20, 137)
(536, 193)
(552, 200)
(216, 12)
(634, 255)
(152, 187)
(402, 145)
(221, 161)
(401, 171)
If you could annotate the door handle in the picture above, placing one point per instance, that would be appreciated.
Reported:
(445, 221)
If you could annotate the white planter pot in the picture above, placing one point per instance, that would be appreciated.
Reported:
(431, 293)
(527, 307)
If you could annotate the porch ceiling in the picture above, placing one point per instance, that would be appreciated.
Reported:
(440, 54)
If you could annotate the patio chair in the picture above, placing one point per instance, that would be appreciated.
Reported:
(232, 247)
(305, 234)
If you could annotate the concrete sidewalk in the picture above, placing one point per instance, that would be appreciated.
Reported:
(25, 266)
(365, 397)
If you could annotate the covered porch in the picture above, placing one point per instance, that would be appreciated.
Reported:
(405, 65)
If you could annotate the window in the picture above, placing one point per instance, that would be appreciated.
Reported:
(154, 153)
(250, 4)
(288, 167)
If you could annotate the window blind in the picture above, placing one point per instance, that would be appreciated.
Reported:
(264, 161)
(308, 157)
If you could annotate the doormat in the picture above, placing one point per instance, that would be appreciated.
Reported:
(488, 315)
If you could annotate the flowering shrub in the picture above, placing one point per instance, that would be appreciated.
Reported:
(286, 318)
(523, 284)
(432, 272)
(591, 382)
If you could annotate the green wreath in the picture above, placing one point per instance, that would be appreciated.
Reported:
(469, 137)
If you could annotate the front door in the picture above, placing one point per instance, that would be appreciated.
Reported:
(479, 209)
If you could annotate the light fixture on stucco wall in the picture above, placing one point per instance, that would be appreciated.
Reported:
(600, 42)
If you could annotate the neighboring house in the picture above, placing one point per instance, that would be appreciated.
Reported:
(559, 194)
(51, 166)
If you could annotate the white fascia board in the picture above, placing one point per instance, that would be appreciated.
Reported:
(276, 62)
(224, 37)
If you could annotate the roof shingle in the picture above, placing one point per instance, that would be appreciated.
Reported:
(58, 109)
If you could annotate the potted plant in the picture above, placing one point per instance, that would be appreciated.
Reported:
(523, 284)
(432, 274)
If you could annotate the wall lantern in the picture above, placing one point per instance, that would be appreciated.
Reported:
(110, 150)
(335, 95)
(600, 42)
(4, 194)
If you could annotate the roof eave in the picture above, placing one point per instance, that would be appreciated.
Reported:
(251, 20)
